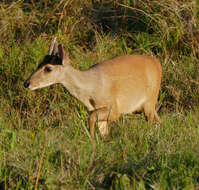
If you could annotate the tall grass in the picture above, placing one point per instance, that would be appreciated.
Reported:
(44, 140)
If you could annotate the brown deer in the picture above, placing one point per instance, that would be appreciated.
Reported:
(120, 85)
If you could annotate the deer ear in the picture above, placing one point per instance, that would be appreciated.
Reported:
(53, 47)
(62, 55)
(61, 52)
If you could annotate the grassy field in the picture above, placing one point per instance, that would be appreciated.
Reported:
(44, 138)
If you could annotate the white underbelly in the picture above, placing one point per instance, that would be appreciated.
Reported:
(132, 105)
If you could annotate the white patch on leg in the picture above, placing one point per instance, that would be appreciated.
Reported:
(103, 128)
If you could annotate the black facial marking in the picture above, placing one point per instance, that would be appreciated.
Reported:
(50, 59)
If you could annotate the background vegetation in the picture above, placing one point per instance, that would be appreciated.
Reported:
(44, 140)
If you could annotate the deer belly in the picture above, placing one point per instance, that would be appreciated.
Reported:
(131, 105)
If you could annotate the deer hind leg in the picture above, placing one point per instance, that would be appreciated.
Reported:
(157, 116)
(102, 115)
(150, 112)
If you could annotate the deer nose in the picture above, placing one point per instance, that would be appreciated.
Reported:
(26, 84)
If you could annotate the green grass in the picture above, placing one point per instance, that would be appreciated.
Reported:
(137, 155)
(44, 138)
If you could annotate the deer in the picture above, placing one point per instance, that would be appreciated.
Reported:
(120, 85)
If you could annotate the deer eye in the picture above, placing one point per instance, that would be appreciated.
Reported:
(48, 69)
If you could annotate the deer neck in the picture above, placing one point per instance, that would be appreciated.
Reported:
(78, 83)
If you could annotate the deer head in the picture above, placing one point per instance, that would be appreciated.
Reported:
(50, 69)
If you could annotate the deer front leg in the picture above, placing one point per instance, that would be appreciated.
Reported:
(102, 115)
(103, 128)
